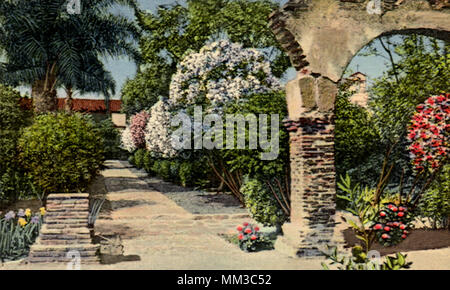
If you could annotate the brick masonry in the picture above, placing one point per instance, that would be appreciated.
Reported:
(65, 229)
(313, 181)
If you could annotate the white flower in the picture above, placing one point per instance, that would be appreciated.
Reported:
(127, 142)
(158, 131)
(221, 72)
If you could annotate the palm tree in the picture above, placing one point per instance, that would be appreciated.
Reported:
(47, 48)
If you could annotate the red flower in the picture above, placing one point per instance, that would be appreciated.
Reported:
(378, 227)
(245, 224)
(400, 214)
(387, 229)
(382, 214)
(253, 237)
(402, 227)
(256, 229)
(248, 231)
(385, 236)
(240, 236)
(404, 236)
(239, 228)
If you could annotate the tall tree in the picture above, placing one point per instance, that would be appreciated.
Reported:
(46, 47)
(176, 29)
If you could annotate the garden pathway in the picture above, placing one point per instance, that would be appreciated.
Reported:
(159, 234)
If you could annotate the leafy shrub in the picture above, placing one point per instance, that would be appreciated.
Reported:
(139, 158)
(186, 173)
(175, 170)
(148, 162)
(111, 140)
(360, 261)
(435, 204)
(13, 183)
(356, 142)
(161, 167)
(260, 202)
(251, 240)
(18, 231)
(249, 161)
(393, 223)
(61, 152)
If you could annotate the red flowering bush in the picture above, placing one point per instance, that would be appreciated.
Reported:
(138, 123)
(392, 224)
(250, 239)
(429, 133)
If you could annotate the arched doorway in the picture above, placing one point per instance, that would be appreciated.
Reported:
(321, 37)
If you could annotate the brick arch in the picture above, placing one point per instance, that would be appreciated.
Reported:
(321, 37)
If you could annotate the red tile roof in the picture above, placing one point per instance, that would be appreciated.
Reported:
(80, 105)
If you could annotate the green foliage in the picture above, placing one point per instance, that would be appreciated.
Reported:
(13, 184)
(148, 161)
(139, 158)
(435, 203)
(61, 152)
(360, 203)
(144, 90)
(186, 173)
(423, 70)
(16, 239)
(161, 167)
(261, 203)
(247, 161)
(360, 261)
(357, 142)
(111, 140)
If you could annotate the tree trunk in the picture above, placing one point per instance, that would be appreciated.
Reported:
(68, 105)
(44, 100)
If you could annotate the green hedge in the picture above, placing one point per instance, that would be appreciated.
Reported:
(61, 152)
(13, 183)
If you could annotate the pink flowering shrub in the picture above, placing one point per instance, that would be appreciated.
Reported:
(429, 133)
(250, 239)
(138, 123)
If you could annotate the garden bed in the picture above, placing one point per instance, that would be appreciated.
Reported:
(418, 239)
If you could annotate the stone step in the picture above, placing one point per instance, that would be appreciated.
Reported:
(59, 248)
(75, 230)
(83, 260)
(64, 242)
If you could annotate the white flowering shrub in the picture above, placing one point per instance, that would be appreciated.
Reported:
(221, 72)
(158, 131)
(127, 141)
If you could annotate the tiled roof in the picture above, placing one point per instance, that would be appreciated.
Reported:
(81, 105)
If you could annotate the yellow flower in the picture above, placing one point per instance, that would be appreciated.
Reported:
(27, 212)
(42, 210)
(22, 222)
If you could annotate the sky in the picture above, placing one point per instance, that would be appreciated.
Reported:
(123, 68)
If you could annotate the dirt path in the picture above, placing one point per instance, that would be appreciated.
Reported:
(159, 234)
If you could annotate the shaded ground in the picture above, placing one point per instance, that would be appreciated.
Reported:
(194, 201)
(419, 239)
(33, 204)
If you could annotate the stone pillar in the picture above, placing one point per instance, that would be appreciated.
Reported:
(313, 186)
